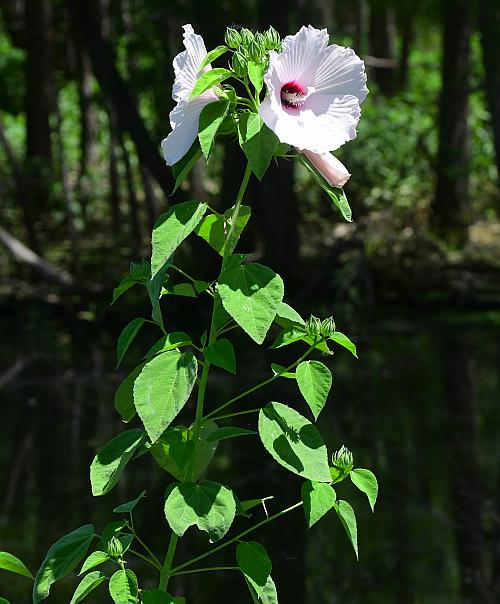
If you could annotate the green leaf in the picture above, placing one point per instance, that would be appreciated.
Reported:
(184, 166)
(254, 563)
(251, 294)
(110, 461)
(314, 380)
(125, 284)
(123, 587)
(281, 371)
(200, 286)
(126, 337)
(178, 453)
(176, 339)
(293, 442)
(171, 229)
(4, 601)
(340, 200)
(211, 118)
(95, 558)
(209, 79)
(269, 594)
(337, 196)
(113, 529)
(124, 397)
(228, 432)
(319, 498)
(154, 287)
(156, 596)
(214, 54)
(344, 341)
(256, 73)
(221, 353)
(214, 227)
(288, 315)
(257, 141)
(127, 508)
(163, 388)
(61, 559)
(348, 519)
(366, 482)
(208, 505)
(86, 585)
(14, 565)
(296, 333)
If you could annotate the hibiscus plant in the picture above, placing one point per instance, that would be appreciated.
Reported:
(297, 99)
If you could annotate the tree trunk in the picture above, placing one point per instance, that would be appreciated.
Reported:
(381, 44)
(451, 204)
(489, 25)
(38, 101)
(114, 177)
(115, 89)
(135, 226)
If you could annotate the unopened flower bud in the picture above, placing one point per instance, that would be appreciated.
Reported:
(342, 460)
(313, 327)
(246, 36)
(328, 327)
(255, 51)
(273, 39)
(114, 548)
(239, 64)
(140, 271)
(232, 37)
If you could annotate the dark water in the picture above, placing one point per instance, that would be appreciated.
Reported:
(420, 408)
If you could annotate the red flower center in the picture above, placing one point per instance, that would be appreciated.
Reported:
(292, 95)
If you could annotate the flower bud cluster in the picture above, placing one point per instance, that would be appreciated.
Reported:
(250, 46)
(316, 328)
(343, 460)
(140, 271)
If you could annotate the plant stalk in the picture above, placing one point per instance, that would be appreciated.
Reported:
(166, 569)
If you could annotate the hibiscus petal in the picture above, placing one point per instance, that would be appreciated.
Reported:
(187, 64)
(339, 71)
(300, 51)
(184, 119)
(331, 168)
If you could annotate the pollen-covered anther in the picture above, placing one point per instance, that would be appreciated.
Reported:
(293, 96)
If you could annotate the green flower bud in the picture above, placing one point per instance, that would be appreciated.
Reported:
(239, 64)
(246, 36)
(273, 39)
(255, 51)
(328, 327)
(313, 327)
(232, 37)
(114, 548)
(140, 271)
(342, 460)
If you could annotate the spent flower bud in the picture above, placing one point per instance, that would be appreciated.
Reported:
(343, 460)
(114, 547)
(313, 327)
(232, 37)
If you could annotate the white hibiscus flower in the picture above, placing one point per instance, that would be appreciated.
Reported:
(315, 91)
(185, 116)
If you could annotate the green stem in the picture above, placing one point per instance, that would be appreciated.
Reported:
(261, 384)
(237, 538)
(157, 565)
(204, 570)
(229, 245)
(166, 569)
(139, 540)
(236, 413)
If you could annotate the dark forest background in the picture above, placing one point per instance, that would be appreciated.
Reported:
(85, 92)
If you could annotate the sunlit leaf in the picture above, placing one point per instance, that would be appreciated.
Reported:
(318, 498)
(366, 482)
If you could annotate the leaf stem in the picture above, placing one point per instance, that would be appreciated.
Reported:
(236, 413)
(157, 565)
(203, 570)
(262, 384)
(166, 569)
(237, 538)
(139, 540)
